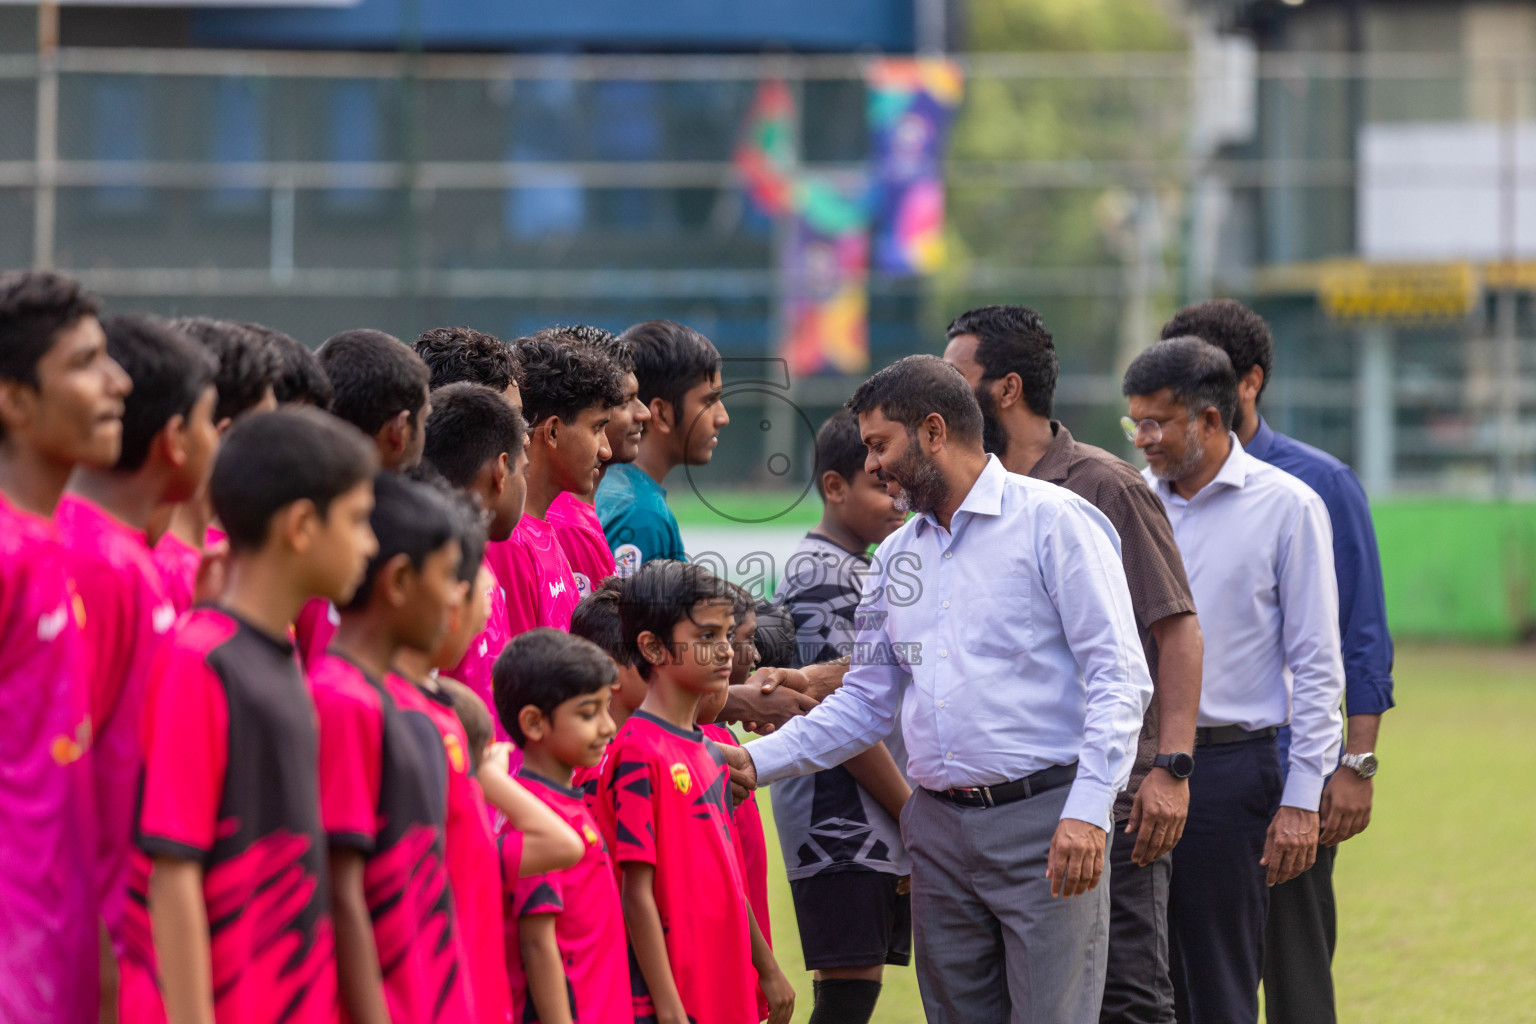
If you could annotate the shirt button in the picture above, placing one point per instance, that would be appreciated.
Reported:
(943, 654)
(943, 703)
(946, 604)
(949, 554)
(949, 756)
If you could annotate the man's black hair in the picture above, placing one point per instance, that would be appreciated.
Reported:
(375, 376)
(545, 668)
(563, 380)
(911, 389)
(605, 343)
(300, 377)
(248, 366)
(1198, 373)
(839, 449)
(596, 619)
(35, 306)
(776, 639)
(169, 371)
(662, 593)
(408, 518)
(670, 359)
(1013, 339)
(458, 355)
(1232, 327)
(273, 459)
(469, 426)
(468, 518)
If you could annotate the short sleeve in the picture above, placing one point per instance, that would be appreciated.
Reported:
(351, 749)
(539, 894)
(186, 753)
(1154, 569)
(632, 790)
(509, 850)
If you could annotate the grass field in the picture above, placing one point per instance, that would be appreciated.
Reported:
(1437, 899)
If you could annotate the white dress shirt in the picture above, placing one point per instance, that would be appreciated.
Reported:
(1011, 638)
(1258, 548)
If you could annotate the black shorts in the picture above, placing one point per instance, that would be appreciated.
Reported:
(852, 919)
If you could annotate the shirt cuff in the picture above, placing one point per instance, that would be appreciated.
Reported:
(1373, 697)
(1303, 790)
(771, 758)
(1090, 801)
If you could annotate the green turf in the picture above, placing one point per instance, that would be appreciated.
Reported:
(1436, 898)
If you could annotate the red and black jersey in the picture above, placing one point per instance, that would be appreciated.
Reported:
(231, 781)
(384, 793)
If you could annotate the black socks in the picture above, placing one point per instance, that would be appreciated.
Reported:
(844, 1001)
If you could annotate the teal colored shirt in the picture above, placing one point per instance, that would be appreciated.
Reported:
(635, 516)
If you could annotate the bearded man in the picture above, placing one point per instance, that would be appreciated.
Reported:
(1022, 684)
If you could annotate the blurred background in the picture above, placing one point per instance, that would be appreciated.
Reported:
(819, 186)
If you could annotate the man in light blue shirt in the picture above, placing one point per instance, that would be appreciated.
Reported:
(1000, 621)
(1258, 548)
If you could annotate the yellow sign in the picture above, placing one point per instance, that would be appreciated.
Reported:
(1398, 292)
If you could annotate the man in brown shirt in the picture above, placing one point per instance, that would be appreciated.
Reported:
(1007, 356)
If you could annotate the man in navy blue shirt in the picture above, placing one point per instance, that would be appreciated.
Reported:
(1298, 980)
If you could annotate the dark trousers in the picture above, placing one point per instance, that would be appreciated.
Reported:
(1217, 900)
(1298, 946)
(1137, 989)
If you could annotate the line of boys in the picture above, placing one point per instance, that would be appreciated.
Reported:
(258, 845)
(588, 406)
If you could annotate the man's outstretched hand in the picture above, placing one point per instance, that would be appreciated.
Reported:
(763, 709)
(743, 772)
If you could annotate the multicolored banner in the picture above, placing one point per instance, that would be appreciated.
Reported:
(911, 105)
(825, 268)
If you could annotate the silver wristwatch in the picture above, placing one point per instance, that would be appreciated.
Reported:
(1363, 765)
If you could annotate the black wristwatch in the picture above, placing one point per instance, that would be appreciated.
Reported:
(1180, 765)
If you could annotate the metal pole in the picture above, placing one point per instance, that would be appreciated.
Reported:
(1375, 411)
(45, 197)
(931, 23)
(1506, 344)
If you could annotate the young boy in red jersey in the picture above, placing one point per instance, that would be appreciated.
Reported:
(567, 395)
(477, 442)
(664, 803)
(748, 818)
(384, 774)
(167, 452)
(566, 956)
(597, 619)
(572, 513)
(537, 839)
(233, 872)
(61, 404)
(247, 368)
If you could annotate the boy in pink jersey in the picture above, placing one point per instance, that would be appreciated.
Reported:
(665, 808)
(190, 565)
(229, 918)
(380, 387)
(566, 956)
(567, 394)
(476, 442)
(61, 404)
(537, 839)
(597, 619)
(168, 444)
(572, 513)
(383, 773)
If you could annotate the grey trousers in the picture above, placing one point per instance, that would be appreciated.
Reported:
(992, 945)
(1137, 986)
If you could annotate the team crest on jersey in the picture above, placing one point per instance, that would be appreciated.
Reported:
(681, 779)
(66, 750)
(626, 560)
(455, 751)
(589, 835)
(583, 585)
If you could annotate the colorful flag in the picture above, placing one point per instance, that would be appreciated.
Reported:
(826, 283)
(911, 105)
(765, 154)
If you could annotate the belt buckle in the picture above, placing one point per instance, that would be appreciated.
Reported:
(986, 796)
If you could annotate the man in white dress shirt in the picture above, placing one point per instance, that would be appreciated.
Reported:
(1000, 613)
(1258, 548)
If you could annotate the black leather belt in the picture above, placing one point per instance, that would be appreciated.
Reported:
(1009, 792)
(1214, 735)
